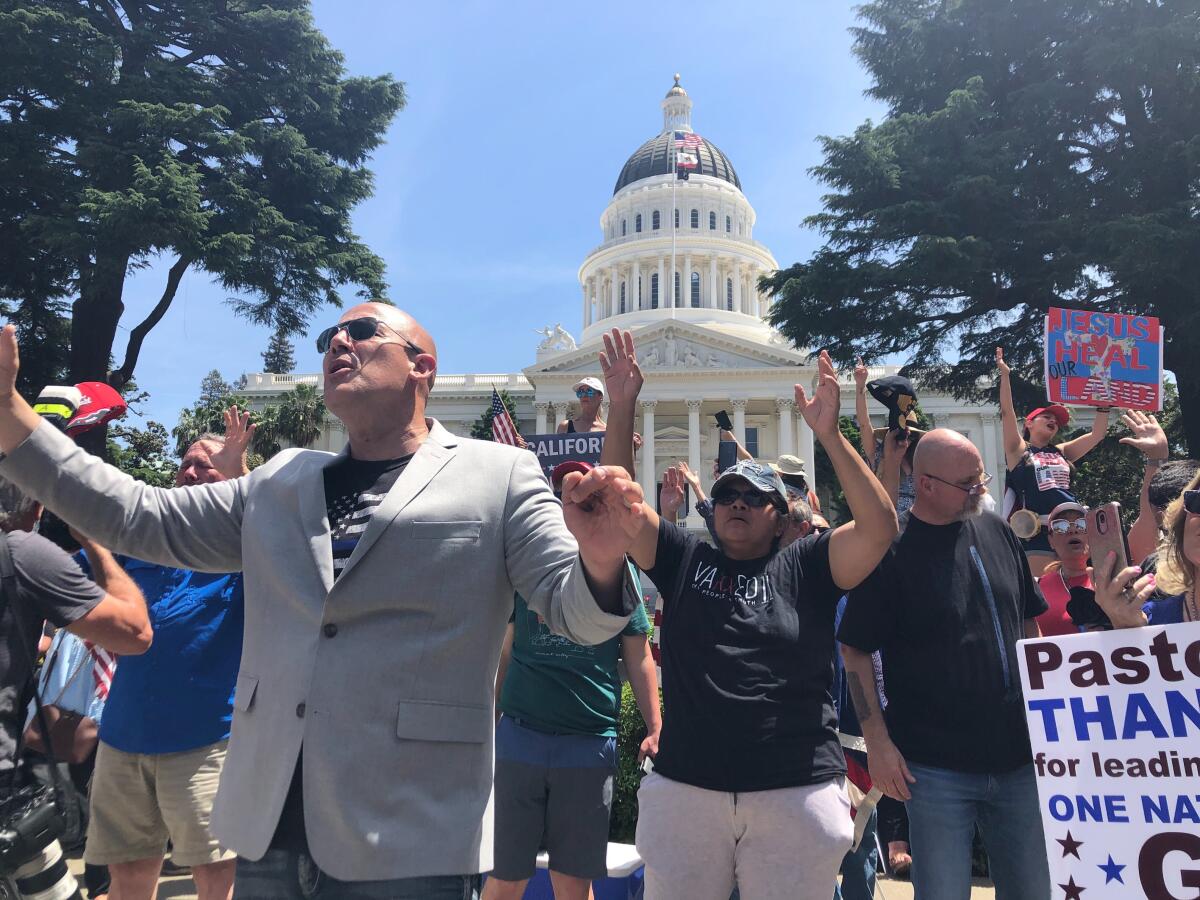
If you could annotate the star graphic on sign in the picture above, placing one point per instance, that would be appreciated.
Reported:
(1112, 871)
(1070, 846)
(1071, 890)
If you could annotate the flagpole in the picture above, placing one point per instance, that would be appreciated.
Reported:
(674, 213)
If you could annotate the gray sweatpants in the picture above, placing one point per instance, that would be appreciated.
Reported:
(785, 844)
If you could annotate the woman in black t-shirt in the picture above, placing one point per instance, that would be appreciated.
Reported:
(1039, 470)
(749, 774)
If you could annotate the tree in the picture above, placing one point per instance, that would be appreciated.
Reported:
(301, 415)
(482, 428)
(1034, 155)
(279, 357)
(143, 453)
(225, 136)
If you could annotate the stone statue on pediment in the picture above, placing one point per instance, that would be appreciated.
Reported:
(690, 359)
(563, 339)
(650, 358)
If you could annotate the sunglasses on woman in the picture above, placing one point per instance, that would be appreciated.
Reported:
(1191, 502)
(587, 392)
(1066, 526)
(755, 499)
(360, 330)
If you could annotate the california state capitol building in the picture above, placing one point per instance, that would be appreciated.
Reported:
(704, 346)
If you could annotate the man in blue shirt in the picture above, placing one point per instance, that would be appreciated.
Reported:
(167, 720)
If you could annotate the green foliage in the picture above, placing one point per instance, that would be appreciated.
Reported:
(1033, 155)
(279, 357)
(481, 430)
(221, 136)
(631, 731)
(144, 453)
(300, 415)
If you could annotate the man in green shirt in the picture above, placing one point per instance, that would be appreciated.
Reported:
(556, 746)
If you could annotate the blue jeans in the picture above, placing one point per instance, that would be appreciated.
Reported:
(942, 815)
(860, 866)
(287, 875)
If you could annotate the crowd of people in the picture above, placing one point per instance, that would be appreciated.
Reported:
(391, 671)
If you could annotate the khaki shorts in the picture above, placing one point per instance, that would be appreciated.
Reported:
(140, 800)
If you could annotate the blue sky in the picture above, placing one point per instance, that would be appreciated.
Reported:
(491, 182)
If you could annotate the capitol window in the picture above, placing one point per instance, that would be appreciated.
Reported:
(654, 289)
(729, 294)
(655, 220)
(622, 228)
(622, 298)
(695, 218)
(712, 221)
(752, 440)
(678, 295)
(676, 218)
(728, 224)
(637, 223)
(695, 290)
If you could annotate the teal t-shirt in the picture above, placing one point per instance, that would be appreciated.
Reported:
(556, 686)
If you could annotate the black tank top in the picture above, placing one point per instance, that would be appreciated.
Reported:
(570, 426)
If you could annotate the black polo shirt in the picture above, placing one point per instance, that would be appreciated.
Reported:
(946, 608)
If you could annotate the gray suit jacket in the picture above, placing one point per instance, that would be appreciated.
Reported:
(387, 676)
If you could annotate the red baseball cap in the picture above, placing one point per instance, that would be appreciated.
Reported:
(100, 404)
(565, 468)
(1061, 414)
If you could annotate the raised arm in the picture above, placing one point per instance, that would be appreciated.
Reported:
(1082, 445)
(1148, 437)
(622, 383)
(866, 430)
(193, 528)
(742, 452)
(1014, 444)
(895, 445)
(887, 766)
(855, 548)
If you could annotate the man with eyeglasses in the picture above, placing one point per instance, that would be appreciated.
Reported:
(378, 585)
(946, 608)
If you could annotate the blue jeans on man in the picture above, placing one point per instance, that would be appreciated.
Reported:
(942, 814)
(291, 875)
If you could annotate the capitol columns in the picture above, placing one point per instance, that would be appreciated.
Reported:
(541, 407)
(737, 287)
(739, 419)
(806, 450)
(988, 443)
(712, 283)
(647, 475)
(694, 434)
(561, 411)
(662, 282)
(686, 289)
(587, 311)
(787, 429)
(635, 286)
(614, 278)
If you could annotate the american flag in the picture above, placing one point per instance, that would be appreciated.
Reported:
(104, 666)
(503, 429)
(687, 140)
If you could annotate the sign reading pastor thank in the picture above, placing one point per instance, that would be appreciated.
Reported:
(1114, 720)
(552, 449)
(1104, 359)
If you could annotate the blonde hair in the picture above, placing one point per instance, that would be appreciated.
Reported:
(1176, 573)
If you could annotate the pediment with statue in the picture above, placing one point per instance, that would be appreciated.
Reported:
(676, 346)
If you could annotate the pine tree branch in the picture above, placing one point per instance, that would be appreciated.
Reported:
(120, 377)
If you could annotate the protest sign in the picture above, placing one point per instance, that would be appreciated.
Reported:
(1103, 359)
(1114, 721)
(552, 449)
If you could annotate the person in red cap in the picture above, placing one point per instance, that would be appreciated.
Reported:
(1039, 470)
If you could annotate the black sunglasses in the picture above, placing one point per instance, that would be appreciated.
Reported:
(1191, 502)
(753, 498)
(360, 330)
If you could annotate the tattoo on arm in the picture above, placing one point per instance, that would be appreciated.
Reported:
(862, 703)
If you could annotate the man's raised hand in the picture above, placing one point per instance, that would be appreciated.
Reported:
(603, 509)
(670, 498)
(1001, 366)
(10, 362)
(821, 412)
(230, 460)
(17, 418)
(618, 361)
(1146, 435)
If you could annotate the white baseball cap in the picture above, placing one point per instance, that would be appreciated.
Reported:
(593, 383)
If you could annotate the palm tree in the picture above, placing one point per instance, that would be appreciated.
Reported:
(301, 415)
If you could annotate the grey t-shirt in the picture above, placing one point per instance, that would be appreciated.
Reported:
(49, 586)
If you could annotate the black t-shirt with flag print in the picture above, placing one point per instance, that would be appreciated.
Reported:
(353, 489)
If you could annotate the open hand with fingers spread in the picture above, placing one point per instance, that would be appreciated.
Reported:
(1146, 435)
(622, 375)
(230, 460)
(821, 411)
(670, 498)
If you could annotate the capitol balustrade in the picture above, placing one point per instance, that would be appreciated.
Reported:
(690, 234)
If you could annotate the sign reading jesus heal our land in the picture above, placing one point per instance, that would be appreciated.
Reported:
(552, 449)
(1114, 721)
(1103, 359)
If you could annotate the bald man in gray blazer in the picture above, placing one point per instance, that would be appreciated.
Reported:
(362, 734)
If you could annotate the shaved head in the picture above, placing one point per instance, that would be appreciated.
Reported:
(942, 450)
(947, 475)
(397, 319)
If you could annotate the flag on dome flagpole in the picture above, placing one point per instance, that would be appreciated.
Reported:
(503, 429)
(687, 153)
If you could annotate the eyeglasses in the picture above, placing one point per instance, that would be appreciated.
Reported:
(1191, 502)
(974, 490)
(753, 498)
(360, 330)
(586, 392)
(1066, 526)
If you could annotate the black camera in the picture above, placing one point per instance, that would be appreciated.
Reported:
(29, 823)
